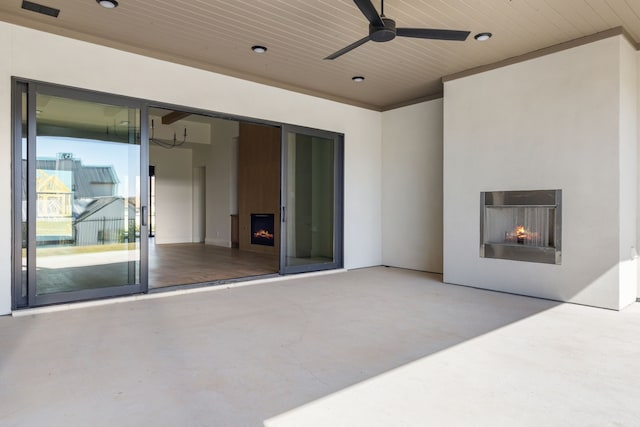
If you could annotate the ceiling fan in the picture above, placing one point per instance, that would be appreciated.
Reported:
(383, 29)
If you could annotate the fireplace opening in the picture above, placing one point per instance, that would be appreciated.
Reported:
(262, 229)
(521, 225)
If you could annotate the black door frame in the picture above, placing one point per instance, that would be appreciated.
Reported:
(338, 200)
(20, 282)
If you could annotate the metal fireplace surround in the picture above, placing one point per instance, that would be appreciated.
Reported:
(521, 225)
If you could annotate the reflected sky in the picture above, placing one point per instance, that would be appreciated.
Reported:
(124, 158)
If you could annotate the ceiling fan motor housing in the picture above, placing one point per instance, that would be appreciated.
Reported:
(383, 34)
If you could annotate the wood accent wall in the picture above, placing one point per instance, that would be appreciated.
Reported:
(258, 181)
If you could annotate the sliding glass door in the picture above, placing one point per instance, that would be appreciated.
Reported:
(80, 192)
(77, 165)
(312, 181)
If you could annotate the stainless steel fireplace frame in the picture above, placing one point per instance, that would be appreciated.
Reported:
(550, 199)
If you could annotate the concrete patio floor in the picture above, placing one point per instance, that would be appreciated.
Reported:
(371, 347)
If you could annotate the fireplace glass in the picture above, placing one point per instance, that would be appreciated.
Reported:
(262, 229)
(521, 225)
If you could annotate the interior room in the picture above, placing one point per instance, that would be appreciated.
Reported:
(195, 227)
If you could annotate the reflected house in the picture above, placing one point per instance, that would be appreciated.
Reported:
(101, 221)
(78, 204)
(88, 181)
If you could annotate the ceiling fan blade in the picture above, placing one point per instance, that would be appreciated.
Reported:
(370, 12)
(348, 48)
(430, 33)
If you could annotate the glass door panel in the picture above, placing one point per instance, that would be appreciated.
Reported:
(312, 201)
(81, 209)
(87, 195)
(20, 197)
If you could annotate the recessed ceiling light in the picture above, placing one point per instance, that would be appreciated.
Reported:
(482, 36)
(109, 4)
(258, 49)
(357, 79)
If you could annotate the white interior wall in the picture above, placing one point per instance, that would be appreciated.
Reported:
(221, 188)
(548, 123)
(233, 186)
(412, 187)
(176, 179)
(174, 194)
(201, 159)
(40, 56)
(199, 199)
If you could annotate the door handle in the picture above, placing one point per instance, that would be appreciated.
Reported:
(143, 216)
(283, 214)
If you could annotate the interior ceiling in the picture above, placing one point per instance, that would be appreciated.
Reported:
(217, 35)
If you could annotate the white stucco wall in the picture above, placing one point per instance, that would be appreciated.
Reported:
(36, 55)
(412, 187)
(628, 169)
(6, 250)
(549, 123)
(638, 162)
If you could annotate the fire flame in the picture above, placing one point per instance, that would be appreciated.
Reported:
(263, 234)
(520, 235)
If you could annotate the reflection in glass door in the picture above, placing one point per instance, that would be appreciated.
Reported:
(312, 200)
(81, 196)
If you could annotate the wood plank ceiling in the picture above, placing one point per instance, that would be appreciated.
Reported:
(217, 35)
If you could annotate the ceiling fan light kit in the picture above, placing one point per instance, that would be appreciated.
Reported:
(383, 29)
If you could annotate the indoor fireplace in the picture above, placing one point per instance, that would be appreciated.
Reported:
(262, 229)
(521, 225)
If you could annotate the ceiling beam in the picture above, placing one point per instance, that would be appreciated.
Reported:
(173, 117)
